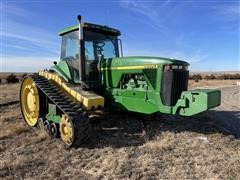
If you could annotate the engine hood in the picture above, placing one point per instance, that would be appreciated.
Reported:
(141, 60)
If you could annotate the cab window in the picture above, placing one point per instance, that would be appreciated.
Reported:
(70, 46)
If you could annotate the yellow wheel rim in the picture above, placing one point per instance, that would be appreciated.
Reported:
(66, 130)
(29, 101)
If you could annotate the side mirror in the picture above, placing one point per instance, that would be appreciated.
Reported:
(55, 62)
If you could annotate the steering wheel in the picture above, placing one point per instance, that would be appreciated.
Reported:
(99, 48)
(101, 44)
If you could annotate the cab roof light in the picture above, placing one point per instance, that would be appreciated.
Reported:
(169, 67)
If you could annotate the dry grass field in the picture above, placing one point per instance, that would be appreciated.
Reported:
(128, 146)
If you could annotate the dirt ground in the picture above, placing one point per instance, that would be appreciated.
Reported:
(128, 146)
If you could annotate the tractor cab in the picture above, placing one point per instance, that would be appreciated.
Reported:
(83, 50)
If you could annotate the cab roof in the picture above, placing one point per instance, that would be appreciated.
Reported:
(92, 27)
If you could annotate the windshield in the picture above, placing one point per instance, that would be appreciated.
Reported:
(99, 43)
(95, 45)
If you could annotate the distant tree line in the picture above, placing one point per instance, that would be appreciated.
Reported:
(12, 78)
(197, 77)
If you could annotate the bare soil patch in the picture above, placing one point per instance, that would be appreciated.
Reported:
(212, 83)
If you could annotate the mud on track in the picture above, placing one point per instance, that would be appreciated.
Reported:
(128, 146)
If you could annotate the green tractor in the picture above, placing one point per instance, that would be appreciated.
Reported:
(93, 74)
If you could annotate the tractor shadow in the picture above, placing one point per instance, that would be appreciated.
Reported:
(129, 129)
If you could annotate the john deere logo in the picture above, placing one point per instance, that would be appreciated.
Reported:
(154, 66)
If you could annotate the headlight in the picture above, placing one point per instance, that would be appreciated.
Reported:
(169, 67)
(174, 66)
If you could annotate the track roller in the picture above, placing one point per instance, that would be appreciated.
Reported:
(66, 130)
(46, 124)
(54, 132)
(72, 131)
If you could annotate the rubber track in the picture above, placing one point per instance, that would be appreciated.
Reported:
(82, 127)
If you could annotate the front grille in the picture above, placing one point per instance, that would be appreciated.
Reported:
(173, 83)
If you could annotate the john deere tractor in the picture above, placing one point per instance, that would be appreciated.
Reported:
(92, 74)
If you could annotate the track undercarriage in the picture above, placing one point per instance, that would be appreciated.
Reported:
(36, 92)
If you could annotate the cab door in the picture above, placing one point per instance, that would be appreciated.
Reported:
(92, 70)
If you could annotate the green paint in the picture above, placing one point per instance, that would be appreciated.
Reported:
(144, 100)
(63, 70)
(52, 113)
(53, 118)
(112, 77)
(197, 101)
(68, 29)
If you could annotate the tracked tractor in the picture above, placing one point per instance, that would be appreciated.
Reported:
(92, 74)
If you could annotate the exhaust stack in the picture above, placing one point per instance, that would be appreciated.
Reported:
(81, 53)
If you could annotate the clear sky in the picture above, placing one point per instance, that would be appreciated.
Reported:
(204, 33)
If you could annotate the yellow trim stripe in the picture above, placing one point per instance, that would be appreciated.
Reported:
(89, 99)
(146, 66)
